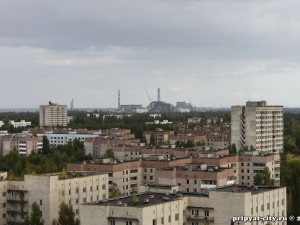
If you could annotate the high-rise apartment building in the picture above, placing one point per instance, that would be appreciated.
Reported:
(257, 127)
(53, 115)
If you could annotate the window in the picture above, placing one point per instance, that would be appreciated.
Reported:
(41, 202)
(154, 222)
(162, 220)
(176, 216)
(3, 205)
(84, 189)
(169, 218)
(195, 181)
(187, 181)
(84, 200)
(206, 213)
(103, 186)
(128, 222)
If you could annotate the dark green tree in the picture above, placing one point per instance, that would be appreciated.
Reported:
(114, 190)
(35, 217)
(109, 153)
(66, 216)
(264, 178)
(46, 145)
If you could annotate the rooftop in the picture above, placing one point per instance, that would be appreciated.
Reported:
(141, 200)
(245, 189)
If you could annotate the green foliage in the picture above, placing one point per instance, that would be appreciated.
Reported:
(264, 178)
(232, 149)
(36, 217)
(66, 216)
(290, 177)
(108, 154)
(39, 163)
(114, 190)
(185, 144)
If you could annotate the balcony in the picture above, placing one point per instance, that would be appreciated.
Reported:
(17, 199)
(200, 218)
(18, 210)
(15, 221)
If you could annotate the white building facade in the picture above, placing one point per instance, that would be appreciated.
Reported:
(257, 127)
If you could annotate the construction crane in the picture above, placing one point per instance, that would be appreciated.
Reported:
(150, 100)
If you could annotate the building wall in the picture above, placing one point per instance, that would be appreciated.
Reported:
(48, 191)
(257, 125)
(53, 115)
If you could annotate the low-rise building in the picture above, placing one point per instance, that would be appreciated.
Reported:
(218, 206)
(23, 143)
(48, 191)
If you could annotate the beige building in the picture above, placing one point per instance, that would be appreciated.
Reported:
(258, 127)
(48, 191)
(218, 206)
(23, 143)
(53, 115)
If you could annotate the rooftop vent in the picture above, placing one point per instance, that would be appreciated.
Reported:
(151, 196)
(119, 203)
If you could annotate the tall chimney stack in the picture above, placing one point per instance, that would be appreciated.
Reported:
(158, 94)
(119, 100)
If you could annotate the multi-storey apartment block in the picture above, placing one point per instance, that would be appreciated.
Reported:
(257, 127)
(218, 206)
(62, 138)
(48, 191)
(23, 143)
(53, 115)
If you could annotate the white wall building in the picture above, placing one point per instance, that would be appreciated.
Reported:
(48, 191)
(56, 139)
(257, 126)
(218, 207)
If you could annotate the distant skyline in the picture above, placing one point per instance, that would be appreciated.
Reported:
(211, 53)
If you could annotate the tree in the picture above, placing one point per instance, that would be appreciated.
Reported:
(46, 145)
(152, 140)
(264, 178)
(232, 149)
(66, 216)
(114, 191)
(35, 216)
(109, 153)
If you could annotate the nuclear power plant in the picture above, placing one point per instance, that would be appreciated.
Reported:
(157, 106)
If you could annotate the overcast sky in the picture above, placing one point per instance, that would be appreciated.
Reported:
(207, 52)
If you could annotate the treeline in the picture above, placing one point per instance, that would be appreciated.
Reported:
(290, 163)
(49, 160)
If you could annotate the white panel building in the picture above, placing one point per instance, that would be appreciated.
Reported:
(258, 127)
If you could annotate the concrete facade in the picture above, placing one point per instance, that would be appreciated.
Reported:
(258, 127)
(23, 143)
(53, 115)
(218, 206)
(48, 191)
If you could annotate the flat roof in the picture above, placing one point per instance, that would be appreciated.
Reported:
(244, 189)
(141, 200)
